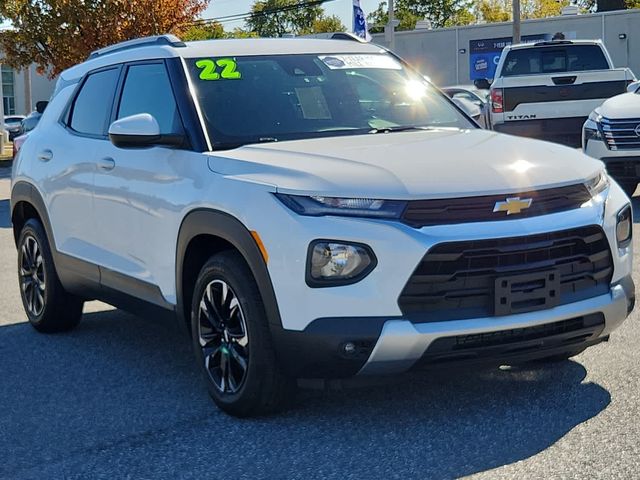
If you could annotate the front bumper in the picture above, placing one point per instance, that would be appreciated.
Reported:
(402, 343)
(622, 165)
(393, 345)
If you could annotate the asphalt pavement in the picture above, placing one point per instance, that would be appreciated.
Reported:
(120, 397)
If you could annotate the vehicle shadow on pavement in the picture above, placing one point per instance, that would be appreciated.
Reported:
(120, 396)
(5, 217)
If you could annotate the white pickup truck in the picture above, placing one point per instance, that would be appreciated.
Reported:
(547, 90)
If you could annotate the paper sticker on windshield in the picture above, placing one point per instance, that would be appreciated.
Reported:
(340, 62)
(218, 69)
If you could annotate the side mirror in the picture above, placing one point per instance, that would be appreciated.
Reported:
(41, 106)
(141, 130)
(482, 84)
(470, 108)
(633, 87)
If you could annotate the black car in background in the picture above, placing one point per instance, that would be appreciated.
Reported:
(12, 124)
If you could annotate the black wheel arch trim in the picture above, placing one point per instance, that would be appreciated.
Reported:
(73, 273)
(228, 228)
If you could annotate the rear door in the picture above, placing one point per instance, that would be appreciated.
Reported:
(67, 163)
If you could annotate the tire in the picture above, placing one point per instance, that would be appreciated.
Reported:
(232, 341)
(629, 187)
(48, 306)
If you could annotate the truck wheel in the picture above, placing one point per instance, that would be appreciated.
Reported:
(232, 340)
(48, 306)
(629, 187)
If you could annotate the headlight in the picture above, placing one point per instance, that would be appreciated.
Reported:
(595, 116)
(624, 226)
(332, 263)
(591, 130)
(597, 184)
(352, 207)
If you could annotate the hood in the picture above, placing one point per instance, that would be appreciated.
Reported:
(405, 165)
(626, 105)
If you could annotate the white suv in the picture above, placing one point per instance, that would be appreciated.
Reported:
(612, 134)
(311, 209)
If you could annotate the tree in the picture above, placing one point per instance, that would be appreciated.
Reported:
(328, 24)
(274, 18)
(380, 17)
(241, 33)
(441, 13)
(203, 31)
(542, 8)
(57, 34)
(492, 11)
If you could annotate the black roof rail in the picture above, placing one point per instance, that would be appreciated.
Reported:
(334, 36)
(347, 36)
(553, 42)
(168, 40)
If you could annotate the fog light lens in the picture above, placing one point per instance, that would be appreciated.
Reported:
(333, 263)
(624, 227)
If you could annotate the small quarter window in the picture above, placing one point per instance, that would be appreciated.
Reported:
(92, 106)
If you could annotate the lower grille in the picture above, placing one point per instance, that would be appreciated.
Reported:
(566, 335)
(457, 280)
(623, 168)
(623, 134)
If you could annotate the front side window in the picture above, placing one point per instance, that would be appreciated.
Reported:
(255, 99)
(147, 89)
(560, 59)
(92, 107)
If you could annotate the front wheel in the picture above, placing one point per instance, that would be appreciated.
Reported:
(232, 340)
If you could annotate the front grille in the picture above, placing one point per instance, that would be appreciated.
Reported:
(421, 213)
(623, 168)
(457, 280)
(621, 134)
(566, 335)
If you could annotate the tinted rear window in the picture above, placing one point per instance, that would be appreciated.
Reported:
(92, 106)
(555, 59)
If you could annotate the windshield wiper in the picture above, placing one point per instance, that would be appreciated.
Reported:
(399, 128)
(233, 145)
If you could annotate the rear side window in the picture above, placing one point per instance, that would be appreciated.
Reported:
(556, 59)
(92, 106)
(147, 89)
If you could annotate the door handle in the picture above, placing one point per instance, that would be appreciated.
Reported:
(106, 164)
(45, 155)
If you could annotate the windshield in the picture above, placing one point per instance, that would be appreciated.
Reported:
(569, 58)
(257, 99)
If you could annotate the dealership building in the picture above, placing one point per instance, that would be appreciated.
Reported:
(461, 54)
(21, 89)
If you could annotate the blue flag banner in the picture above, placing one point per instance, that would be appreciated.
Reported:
(360, 22)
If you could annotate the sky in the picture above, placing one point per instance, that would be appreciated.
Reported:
(341, 8)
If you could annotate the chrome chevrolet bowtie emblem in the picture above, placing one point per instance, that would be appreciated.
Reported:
(512, 205)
